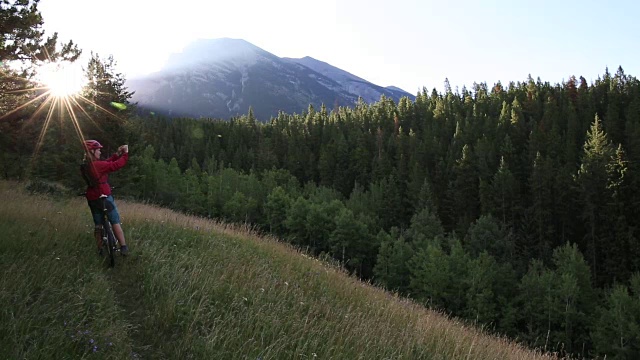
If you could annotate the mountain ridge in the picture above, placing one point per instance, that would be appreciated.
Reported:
(351, 83)
(223, 78)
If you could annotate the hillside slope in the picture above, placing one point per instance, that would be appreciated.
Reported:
(193, 288)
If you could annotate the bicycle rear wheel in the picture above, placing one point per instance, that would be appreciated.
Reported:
(111, 242)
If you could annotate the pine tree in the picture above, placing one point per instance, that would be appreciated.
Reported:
(425, 229)
(539, 214)
(431, 277)
(349, 241)
(392, 269)
(619, 253)
(276, 208)
(485, 234)
(536, 301)
(592, 183)
(320, 223)
(575, 299)
(463, 191)
(481, 294)
(240, 208)
(438, 277)
(192, 199)
(617, 329)
(505, 195)
(22, 36)
(296, 222)
(104, 87)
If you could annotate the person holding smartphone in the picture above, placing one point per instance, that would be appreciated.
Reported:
(96, 171)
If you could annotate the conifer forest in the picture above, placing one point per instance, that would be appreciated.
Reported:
(511, 206)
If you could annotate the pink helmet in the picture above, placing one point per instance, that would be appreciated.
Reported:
(92, 145)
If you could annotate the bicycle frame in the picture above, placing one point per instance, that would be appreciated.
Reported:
(108, 238)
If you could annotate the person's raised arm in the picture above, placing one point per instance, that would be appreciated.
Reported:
(122, 149)
(118, 163)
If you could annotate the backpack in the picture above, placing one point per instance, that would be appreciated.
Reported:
(91, 181)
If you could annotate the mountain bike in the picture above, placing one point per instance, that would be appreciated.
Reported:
(108, 238)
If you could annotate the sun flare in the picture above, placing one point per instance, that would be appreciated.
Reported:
(62, 79)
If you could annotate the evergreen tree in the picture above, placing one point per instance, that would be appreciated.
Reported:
(320, 223)
(438, 277)
(104, 87)
(619, 253)
(192, 199)
(617, 330)
(276, 208)
(486, 234)
(504, 192)
(463, 192)
(536, 302)
(424, 198)
(592, 183)
(481, 283)
(539, 225)
(349, 241)
(575, 299)
(391, 269)
(431, 277)
(22, 36)
(425, 229)
(240, 208)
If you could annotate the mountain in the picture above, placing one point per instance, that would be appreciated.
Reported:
(222, 78)
(351, 83)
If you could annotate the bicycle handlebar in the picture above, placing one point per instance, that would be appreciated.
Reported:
(85, 193)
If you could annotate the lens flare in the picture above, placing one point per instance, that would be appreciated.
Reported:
(62, 79)
(57, 91)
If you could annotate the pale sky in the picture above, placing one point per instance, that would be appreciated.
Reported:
(405, 43)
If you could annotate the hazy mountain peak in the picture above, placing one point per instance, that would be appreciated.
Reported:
(221, 78)
(205, 51)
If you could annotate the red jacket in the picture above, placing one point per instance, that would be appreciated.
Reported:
(99, 170)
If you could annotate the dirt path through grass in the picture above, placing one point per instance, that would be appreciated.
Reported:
(127, 284)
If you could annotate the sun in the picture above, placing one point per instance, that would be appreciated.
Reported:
(62, 79)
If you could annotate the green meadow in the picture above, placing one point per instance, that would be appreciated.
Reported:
(194, 288)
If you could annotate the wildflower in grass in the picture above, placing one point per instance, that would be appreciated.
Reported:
(95, 348)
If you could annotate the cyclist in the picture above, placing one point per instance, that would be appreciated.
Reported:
(95, 172)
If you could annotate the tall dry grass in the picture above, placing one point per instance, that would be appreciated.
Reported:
(197, 288)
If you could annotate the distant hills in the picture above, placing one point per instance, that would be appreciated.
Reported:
(222, 78)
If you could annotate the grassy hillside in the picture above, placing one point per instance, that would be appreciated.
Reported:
(196, 289)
